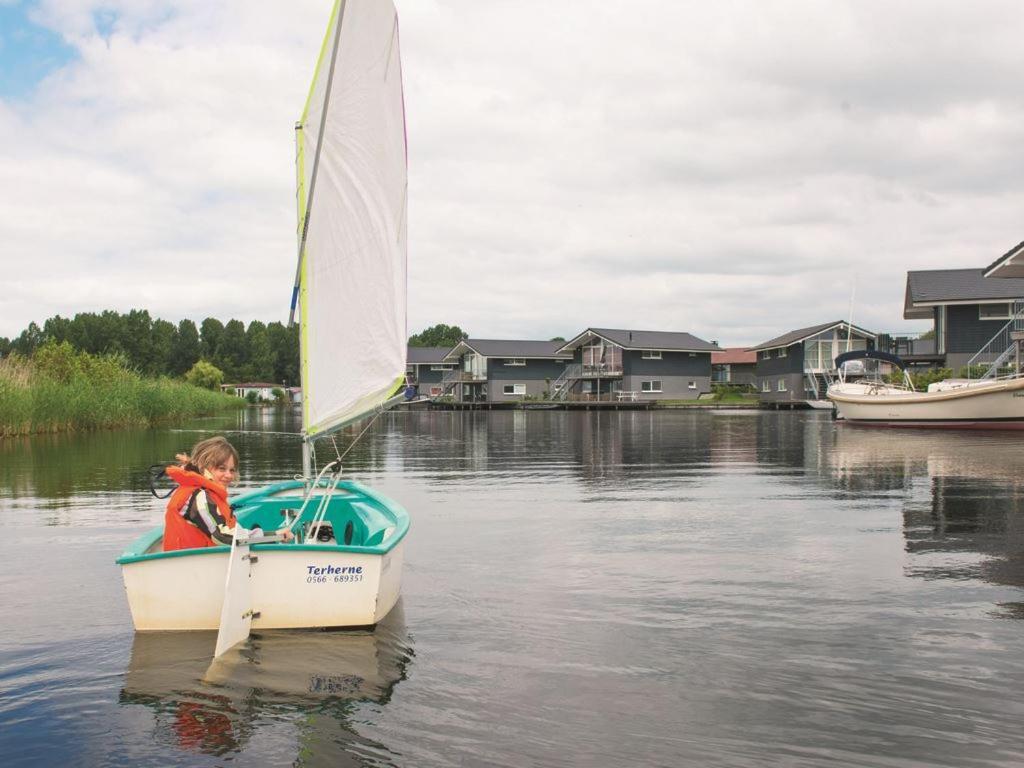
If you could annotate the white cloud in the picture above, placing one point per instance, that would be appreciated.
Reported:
(727, 169)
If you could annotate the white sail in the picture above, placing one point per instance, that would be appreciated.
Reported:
(352, 292)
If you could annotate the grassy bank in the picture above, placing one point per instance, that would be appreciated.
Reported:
(59, 389)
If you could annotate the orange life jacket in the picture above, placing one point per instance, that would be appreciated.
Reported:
(179, 533)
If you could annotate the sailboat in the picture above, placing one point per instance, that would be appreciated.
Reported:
(344, 567)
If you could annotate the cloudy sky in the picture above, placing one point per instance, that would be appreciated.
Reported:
(731, 169)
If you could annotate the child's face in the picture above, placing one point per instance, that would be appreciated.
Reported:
(224, 473)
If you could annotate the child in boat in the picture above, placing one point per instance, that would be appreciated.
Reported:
(198, 513)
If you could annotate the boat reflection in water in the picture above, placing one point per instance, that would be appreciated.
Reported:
(962, 500)
(314, 679)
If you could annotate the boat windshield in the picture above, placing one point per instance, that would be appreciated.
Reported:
(873, 369)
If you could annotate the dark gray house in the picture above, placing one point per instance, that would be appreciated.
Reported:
(796, 366)
(610, 364)
(967, 309)
(425, 368)
(498, 370)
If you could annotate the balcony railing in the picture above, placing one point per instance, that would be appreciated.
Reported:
(601, 369)
(464, 377)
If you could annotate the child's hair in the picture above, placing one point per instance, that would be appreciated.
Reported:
(210, 453)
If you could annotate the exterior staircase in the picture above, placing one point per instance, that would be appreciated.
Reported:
(816, 383)
(1003, 351)
(561, 386)
(449, 381)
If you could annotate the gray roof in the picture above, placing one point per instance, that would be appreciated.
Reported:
(670, 341)
(1007, 265)
(794, 337)
(511, 348)
(421, 355)
(932, 287)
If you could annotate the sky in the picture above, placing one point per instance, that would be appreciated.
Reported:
(735, 169)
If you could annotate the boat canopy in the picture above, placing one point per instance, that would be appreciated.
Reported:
(870, 354)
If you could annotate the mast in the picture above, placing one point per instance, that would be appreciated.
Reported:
(307, 449)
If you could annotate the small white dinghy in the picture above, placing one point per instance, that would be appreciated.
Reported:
(344, 567)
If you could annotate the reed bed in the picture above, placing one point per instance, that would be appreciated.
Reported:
(61, 390)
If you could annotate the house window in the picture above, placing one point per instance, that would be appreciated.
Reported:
(513, 389)
(650, 386)
(766, 354)
(691, 385)
(781, 385)
(765, 386)
(435, 391)
(651, 354)
(441, 367)
(994, 311)
(515, 361)
(781, 352)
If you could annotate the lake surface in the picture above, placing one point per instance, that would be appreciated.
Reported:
(580, 589)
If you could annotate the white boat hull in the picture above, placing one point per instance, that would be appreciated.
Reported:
(291, 589)
(978, 405)
(302, 584)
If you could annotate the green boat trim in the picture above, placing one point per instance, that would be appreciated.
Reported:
(379, 523)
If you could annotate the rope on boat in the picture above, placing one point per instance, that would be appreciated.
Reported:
(338, 468)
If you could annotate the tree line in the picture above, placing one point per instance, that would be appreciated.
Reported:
(266, 352)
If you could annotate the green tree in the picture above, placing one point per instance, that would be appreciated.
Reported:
(557, 338)
(185, 351)
(5, 346)
(163, 340)
(205, 375)
(284, 348)
(232, 357)
(137, 339)
(439, 335)
(58, 329)
(28, 340)
(210, 333)
(261, 358)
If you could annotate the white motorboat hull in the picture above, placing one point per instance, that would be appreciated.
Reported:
(975, 405)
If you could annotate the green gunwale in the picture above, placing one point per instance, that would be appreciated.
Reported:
(135, 551)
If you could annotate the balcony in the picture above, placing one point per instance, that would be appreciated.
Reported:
(464, 377)
(601, 370)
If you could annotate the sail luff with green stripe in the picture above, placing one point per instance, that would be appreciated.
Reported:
(352, 277)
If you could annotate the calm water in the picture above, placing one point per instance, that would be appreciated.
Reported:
(581, 589)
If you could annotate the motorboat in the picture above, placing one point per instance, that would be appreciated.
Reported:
(988, 403)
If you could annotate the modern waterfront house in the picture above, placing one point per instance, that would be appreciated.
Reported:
(735, 366)
(797, 366)
(968, 309)
(611, 364)
(425, 367)
(502, 370)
